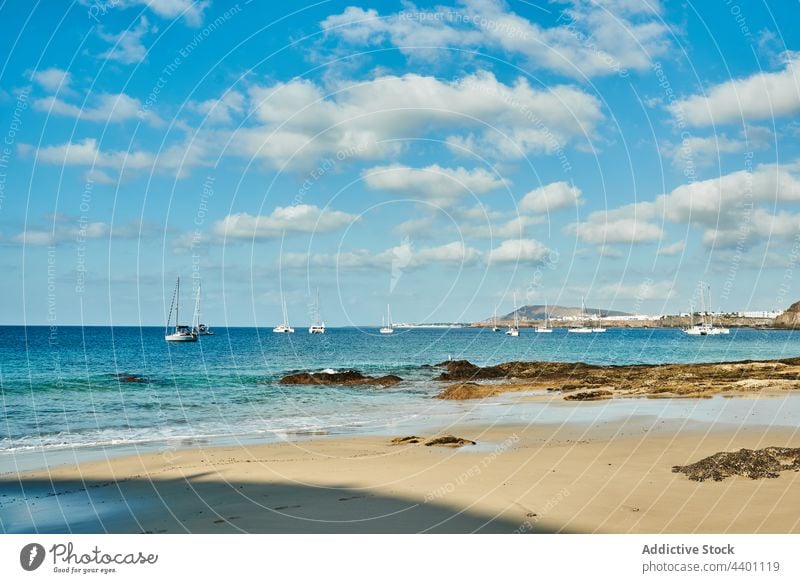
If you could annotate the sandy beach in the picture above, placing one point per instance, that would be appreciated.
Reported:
(607, 477)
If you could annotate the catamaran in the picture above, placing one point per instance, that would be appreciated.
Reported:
(318, 327)
(546, 329)
(386, 327)
(198, 328)
(181, 333)
(513, 330)
(284, 328)
(704, 328)
(583, 328)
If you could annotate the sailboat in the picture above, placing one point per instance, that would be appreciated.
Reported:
(387, 328)
(513, 330)
(318, 327)
(181, 333)
(583, 328)
(197, 327)
(705, 328)
(494, 321)
(546, 329)
(284, 328)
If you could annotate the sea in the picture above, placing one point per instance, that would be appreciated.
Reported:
(73, 393)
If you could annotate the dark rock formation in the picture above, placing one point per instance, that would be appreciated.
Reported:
(589, 396)
(754, 464)
(449, 441)
(406, 439)
(347, 377)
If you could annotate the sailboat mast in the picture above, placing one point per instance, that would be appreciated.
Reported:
(177, 303)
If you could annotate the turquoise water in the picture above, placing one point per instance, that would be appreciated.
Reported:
(59, 389)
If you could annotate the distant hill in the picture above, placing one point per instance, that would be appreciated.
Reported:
(537, 312)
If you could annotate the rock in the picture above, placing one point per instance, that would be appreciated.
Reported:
(462, 391)
(347, 377)
(589, 396)
(754, 464)
(790, 318)
(406, 439)
(130, 378)
(449, 441)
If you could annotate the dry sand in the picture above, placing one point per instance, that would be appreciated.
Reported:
(610, 477)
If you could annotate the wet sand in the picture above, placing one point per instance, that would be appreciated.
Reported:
(608, 477)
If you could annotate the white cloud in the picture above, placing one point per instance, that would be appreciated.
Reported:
(452, 254)
(647, 290)
(515, 228)
(588, 38)
(704, 151)
(759, 96)
(190, 10)
(298, 122)
(551, 197)
(519, 251)
(672, 249)
(725, 208)
(104, 107)
(178, 159)
(301, 218)
(53, 79)
(435, 184)
(627, 224)
(220, 111)
(127, 47)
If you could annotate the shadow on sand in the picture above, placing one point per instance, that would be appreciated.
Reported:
(202, 503)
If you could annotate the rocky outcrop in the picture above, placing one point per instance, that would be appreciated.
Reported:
(759, 463)
(443, 441)
(346, 377)
(594, 381)
(790, 318)
(589, 396)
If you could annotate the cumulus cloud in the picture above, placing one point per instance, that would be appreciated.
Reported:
(177, 160)
(759, 96)
(53, 79)
(297, 122)
(647, 290)
(434, 184)
(222, 110)
(103, 107)
(454, 254)
(127, 46)
(519, 251)
(628, 224)
(672, 249)
(702, 151)
(551, 197)
(587, 39)
(300, 218)
(725, 208)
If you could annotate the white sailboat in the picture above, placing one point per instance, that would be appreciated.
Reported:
(706, 326)
(387, 327)
(583, 328)
(284, 328)
(197, 327)
(513, 330)
(546, 329)
(180, 333)
(495, 328)
(318, 327)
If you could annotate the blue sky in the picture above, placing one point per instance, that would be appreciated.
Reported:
(440, 157)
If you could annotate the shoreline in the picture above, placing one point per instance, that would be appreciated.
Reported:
(607, 476)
